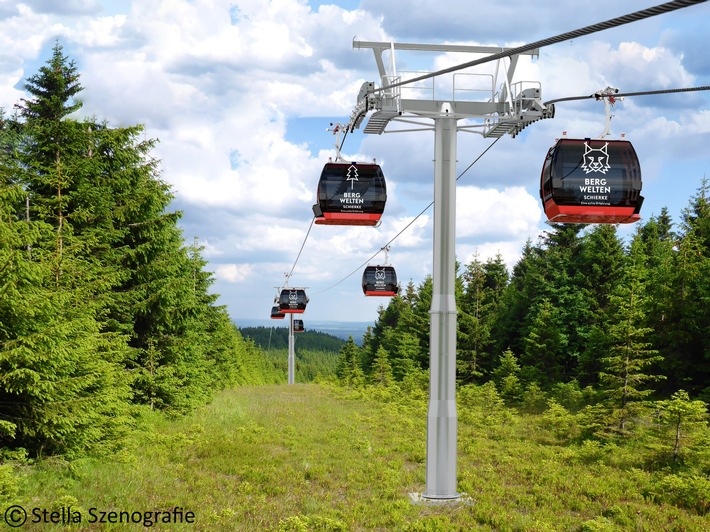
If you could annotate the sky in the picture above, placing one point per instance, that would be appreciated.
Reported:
(240, 95)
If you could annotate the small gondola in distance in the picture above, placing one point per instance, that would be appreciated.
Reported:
(350, 193)
(276, 313)
(591, 181)
(293, 301)
(298, 326)
(380, 281)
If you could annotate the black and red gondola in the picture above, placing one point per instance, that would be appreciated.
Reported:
(591, 181)
(276, 313)
(298, 326)
(350, 193)
(292, 300)
(380, 281)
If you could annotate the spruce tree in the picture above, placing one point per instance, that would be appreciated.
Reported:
(348, 370)
(601, 262)
(681, 419)
(506, 377)
(599, 269)
(690, 332)
(61, 373)
(527, 284)
(658, 244)
(628, 368)
(381, 369)
(546, 347)
(473, 333)
(61, 383)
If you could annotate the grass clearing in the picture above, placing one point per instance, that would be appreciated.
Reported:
(309, 457)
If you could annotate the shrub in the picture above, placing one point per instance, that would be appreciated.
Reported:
(685, 491)
(559, 422)
(534, 399)
(298, 523)
(8, 483)
(569, 395)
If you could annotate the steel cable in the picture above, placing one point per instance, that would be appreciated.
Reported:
(621, 95)
(587, 30)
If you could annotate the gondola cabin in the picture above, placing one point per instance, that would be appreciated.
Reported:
(379, 281)
(298, 326)
(276, 313)
(293, 301)
(591, 181)
(350, 193)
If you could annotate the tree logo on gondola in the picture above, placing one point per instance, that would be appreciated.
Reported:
(352, 175)
(595, 159)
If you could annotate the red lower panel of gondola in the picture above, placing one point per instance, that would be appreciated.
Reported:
(292, 311)
(346, 218)
(590, 214)
(380, 293)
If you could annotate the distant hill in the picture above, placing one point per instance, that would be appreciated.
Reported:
(277, 338)
(339, 329)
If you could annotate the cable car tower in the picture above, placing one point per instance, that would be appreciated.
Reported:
(290, 301)
(502, 107)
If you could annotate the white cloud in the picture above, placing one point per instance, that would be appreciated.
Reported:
(505, 214)
(233, 273)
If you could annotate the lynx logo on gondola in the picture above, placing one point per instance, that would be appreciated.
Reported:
(595, 189)
(293, 299)
(380, 277)
(595, 159)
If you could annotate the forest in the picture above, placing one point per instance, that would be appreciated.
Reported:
(316, 353)
(582, 314)
(104, 311)
(277, 338)
(580, 306)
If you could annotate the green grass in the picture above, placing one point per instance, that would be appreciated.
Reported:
(309, 457)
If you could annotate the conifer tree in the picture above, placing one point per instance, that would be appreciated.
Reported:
(348, 370)
(690, 334)
(527, 284)
(658, 242)
(406, 353)
(546, 347)
(682, 418)
(601, 262)
(506, 377)
(387, 318)
(416, 321)
(370, 343)
(483, 285)
(628, 369)
(381, 369)
(62, 377)
(473, 332)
